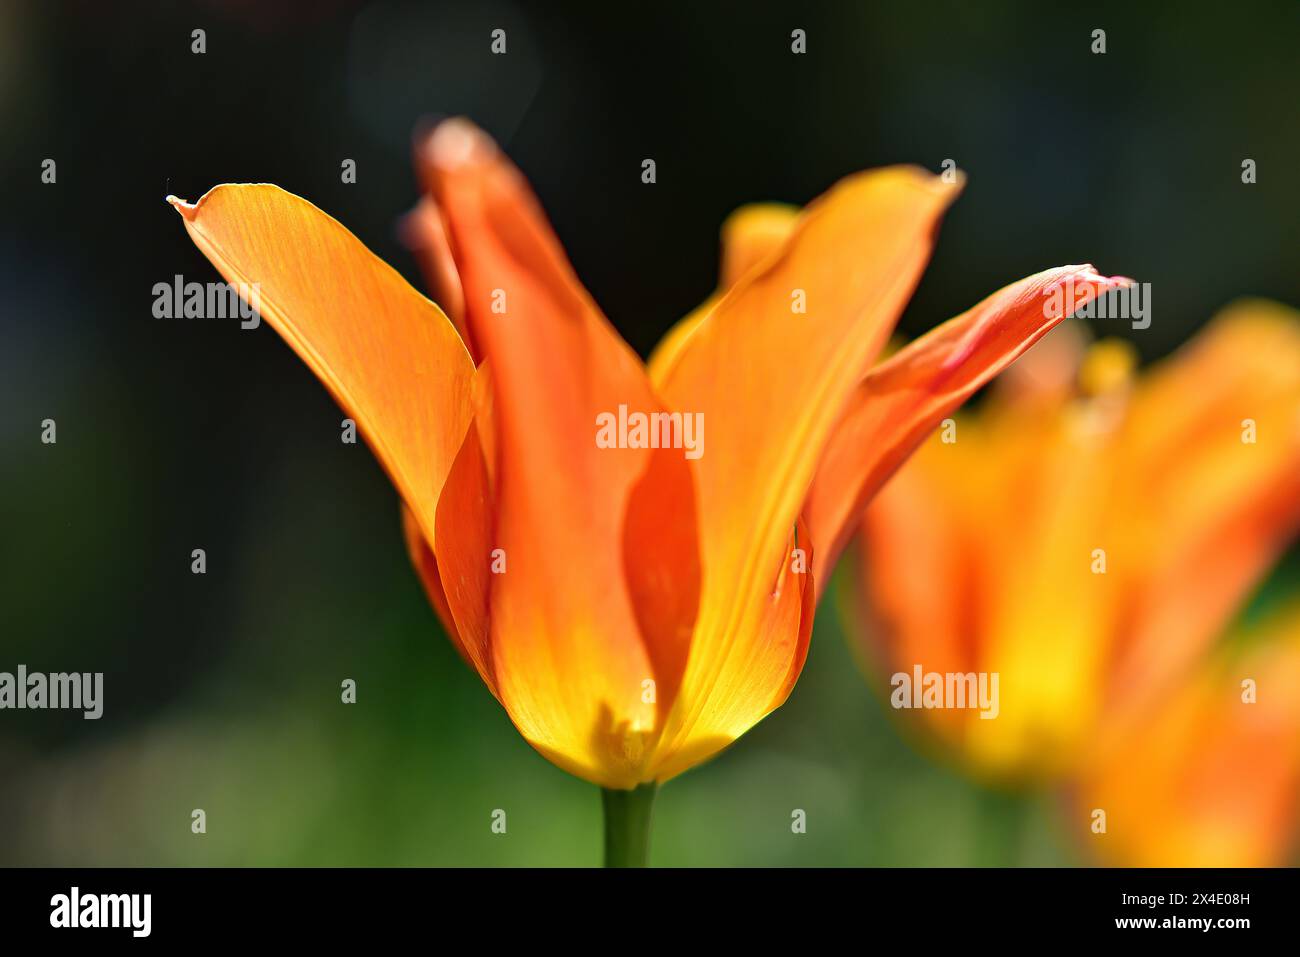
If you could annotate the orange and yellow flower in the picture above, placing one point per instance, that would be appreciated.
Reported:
(1089, 536)
(633, 609)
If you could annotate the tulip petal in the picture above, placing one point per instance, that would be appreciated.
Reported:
(1208, 506)
(780, 632)
(998, 579)
(919, 573)
(457, 579)
(426, 569)
(670, 347)
(582, 667)
(1129, 522)
(769, 381)
(390, 357)
(901, 400)
(1206, 777)
(749, 236)
(426, 236)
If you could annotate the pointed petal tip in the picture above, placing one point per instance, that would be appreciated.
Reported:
(950, 181)
(1089, 273)
(188, 210)
(456, 143)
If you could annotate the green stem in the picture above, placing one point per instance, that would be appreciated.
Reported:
(1001, 821)
(627, 825)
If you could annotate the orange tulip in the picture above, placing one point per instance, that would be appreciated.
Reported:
(1087, 538)
(1211, 776)
(634, 609)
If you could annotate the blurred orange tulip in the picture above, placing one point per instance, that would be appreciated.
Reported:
(633, 609)
(1087, 536)
(1211, 776)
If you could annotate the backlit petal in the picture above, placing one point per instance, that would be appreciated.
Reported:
(919, 576)
(426, 236)
(1206, 509)
(749, 236)
(390, 357)
(582, 668)
(769, 381)
(901, 400)
(1090, 549)
(1206, 778)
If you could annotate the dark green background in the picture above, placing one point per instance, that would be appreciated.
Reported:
(222, 691)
